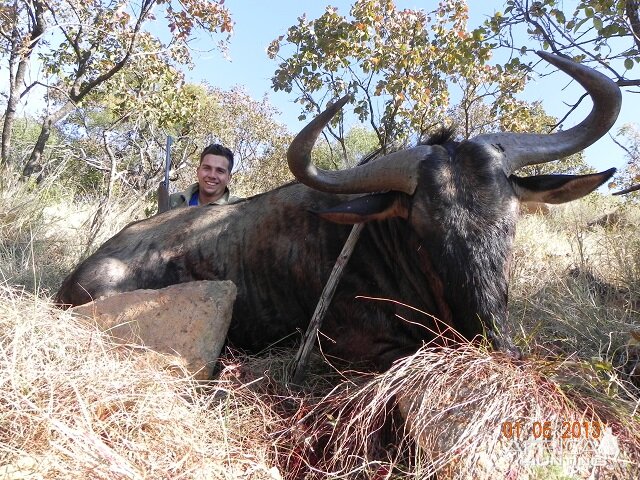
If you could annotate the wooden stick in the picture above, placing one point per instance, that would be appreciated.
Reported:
(302, 357)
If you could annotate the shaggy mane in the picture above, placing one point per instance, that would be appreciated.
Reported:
(441, 136)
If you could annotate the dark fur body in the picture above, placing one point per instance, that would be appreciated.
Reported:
(448, 258)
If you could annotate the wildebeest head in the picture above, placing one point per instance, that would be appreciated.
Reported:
(462, 199)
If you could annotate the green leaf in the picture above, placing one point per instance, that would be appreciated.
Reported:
(597, 23)
(559, 16)
(628, 63)
(579, 24)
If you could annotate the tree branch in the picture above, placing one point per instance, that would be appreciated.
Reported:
(145, 9)
(631, 8)
(571, 110)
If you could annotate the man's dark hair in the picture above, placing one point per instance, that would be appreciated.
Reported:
(217, 149)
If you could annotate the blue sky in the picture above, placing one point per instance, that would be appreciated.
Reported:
(258, 22)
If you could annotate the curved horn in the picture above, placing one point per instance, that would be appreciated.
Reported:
(396, 171)
(523, 149)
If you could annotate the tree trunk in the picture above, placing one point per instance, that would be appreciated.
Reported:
(19, 60)
(632, 8)
(34, 165)
(15, 90)
(113, 169)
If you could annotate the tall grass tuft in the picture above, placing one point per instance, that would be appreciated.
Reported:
(467, 413)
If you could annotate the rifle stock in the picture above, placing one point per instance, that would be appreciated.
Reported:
(163, 197)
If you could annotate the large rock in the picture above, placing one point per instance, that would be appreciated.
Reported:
(188, 321)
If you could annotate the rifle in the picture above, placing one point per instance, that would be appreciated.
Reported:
(163, 187)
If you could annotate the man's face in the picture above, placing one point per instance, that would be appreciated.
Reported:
(213, 176)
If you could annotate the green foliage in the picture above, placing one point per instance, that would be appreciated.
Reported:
(402, 68)
(358, 142)
(149, 88)
(130, 130)
(250, 128)
(96, 37)
(603, 33)
(84, 46)
(488, 100)
(25, 133)
(396, 63)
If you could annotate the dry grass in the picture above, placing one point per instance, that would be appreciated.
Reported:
(44, 232)
(75, 406)
(30, 254)
(575, 290)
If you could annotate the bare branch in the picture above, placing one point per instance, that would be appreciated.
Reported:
(571, 110)
(623, 147)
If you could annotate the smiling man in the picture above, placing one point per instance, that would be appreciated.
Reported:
(214, 174)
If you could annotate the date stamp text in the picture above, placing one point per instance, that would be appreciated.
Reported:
(547, 430)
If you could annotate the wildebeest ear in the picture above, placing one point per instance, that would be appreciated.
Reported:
(557, 188)
(377, 206)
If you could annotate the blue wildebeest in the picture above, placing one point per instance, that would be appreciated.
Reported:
(441, 220)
